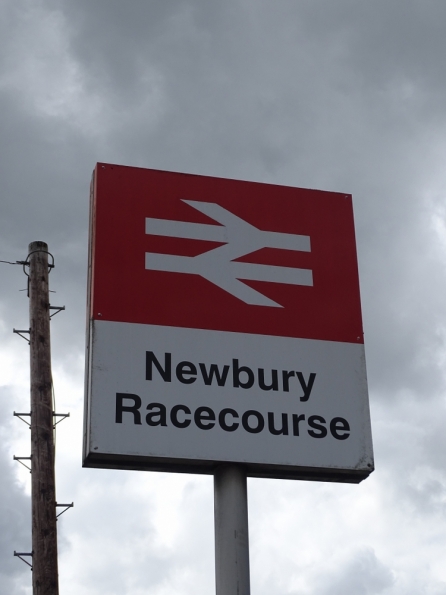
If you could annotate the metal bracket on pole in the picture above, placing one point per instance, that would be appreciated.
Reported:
(67, 506)
(57, 308)
(19, 332)
(62, 415)
(20, 459)
(26, 262)
(19, 415)
(20, 554)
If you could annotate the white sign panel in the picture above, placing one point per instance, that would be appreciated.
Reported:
(225, 326)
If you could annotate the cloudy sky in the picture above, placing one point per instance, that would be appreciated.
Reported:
(345, 95)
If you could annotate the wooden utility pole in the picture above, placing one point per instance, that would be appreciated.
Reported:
(43, 488)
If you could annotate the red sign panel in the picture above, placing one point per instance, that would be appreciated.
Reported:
(190, 251)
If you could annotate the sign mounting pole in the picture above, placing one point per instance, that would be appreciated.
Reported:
(231, 530)
(44, 532)
(224, 337)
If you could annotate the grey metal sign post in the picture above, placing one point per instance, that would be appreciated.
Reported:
(231, 531)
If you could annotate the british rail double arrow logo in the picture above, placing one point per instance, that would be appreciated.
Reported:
(217, 266)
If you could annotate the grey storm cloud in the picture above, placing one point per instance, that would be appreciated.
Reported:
(346, 96)
(15, 511)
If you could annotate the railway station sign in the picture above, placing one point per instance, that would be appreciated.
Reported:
(224, 325)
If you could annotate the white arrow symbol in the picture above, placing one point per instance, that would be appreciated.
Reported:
(217, 265)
